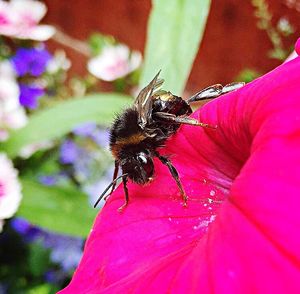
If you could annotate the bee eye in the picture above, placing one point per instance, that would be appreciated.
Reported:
(142, 158)
(146, 165)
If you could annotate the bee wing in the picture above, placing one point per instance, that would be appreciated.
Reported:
(143, 102)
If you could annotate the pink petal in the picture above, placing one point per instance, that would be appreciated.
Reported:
(20, 18)
(252, 161)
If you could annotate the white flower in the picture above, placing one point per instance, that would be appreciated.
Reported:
(10, 189)
(114, 62)
(285, 27)
(7, 70)
(20, 18)
(12, 114)
(30, 149)
(9, 94)
(58, 62)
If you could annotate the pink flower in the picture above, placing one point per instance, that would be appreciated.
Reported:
(20, 18)
(240, 231)
(10, 189)
(12, 115)
(114, 62)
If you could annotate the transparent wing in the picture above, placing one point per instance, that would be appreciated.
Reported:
(143, 102)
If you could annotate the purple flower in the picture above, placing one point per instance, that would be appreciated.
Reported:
(85, 130)
(48, 180)
(67, 253)
(3, 287)
(90, 129)
(20, 225)
(65, 250)
(29, 95)
(26, 229)
(94, 189)
(83, 167)
(101, 137)
(53, 179)
(69, 152)
(55, 276)
(31, 61)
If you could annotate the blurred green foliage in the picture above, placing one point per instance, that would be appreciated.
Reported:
(98, 41)
(175, 30)
(60, 119)
(277, 33)
(247, 75)
(58, 209)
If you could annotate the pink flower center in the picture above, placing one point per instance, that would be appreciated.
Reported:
(2, 189)
(28, 20)
(3, 19)
(118, 67)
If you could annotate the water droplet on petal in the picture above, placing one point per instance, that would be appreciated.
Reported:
(212, 193)
(212, 218)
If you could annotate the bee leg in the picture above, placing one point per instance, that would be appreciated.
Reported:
(171, 118)
(210, 92)
(214, 91)
(108, 187)
(175, 176)
(232, 87)
(120, 209)
(114, 177)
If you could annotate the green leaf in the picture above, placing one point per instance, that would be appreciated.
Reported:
(98, 41)
(59, 120)
(175, 30)
(61, 210)
(38, 259)
(41, 289)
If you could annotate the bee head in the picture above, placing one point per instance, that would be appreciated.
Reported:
(140, 168)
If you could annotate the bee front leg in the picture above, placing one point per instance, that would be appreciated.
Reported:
(175, 176)
(173, 119)
(120, 209)
(114, 177)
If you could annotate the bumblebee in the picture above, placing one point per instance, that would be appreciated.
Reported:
(139, 131)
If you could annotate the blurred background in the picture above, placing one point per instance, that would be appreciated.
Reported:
(233, 38)
(66, 68)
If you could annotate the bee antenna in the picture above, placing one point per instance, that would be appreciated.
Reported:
(108, 187)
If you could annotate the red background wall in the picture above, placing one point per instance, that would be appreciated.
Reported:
(231, 40)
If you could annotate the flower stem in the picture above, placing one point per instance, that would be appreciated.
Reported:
(70, 42)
